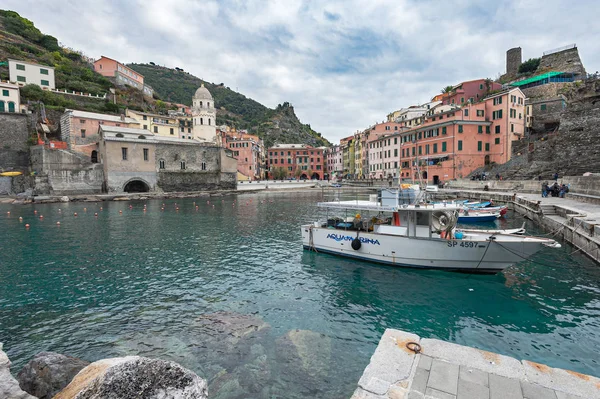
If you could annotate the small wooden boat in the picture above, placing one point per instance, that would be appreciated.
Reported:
(471, 216)
(518, 231)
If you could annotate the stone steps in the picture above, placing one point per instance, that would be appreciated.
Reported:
(548, 210)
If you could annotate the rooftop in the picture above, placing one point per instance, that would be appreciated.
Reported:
(103, 117)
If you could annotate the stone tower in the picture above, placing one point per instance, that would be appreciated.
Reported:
(513, 60)
(204, 115)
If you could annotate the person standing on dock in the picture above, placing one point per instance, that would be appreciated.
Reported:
(556, 177)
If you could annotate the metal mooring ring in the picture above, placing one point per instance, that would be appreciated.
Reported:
(414, 347)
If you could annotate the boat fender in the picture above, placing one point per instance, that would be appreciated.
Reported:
(356, 244)
(458, 235)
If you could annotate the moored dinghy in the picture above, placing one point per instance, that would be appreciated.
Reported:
(421, 236)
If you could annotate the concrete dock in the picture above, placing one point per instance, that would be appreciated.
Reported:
(442, 370)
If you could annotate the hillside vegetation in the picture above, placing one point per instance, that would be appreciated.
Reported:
(279, 125)
(21, 40)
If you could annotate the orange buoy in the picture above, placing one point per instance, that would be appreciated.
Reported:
(85, 209)
(35, 212)
(75, 214)
(144, 209)
(96, 214)
(20, 219)
(58, 223)
(120, 212)
(100, 208)
(8, 213)
(26, 226)
(41, 216)
(177, 208)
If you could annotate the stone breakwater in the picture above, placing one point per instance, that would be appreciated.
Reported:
(52, 375)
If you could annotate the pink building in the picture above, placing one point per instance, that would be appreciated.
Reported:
(123, 75)
(79, 129)
(249, 151)
(471, 91)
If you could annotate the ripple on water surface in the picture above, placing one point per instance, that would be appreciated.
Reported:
(228, 292)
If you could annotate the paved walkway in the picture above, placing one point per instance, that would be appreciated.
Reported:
(449, 371)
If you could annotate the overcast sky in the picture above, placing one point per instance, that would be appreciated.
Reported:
(343, 65)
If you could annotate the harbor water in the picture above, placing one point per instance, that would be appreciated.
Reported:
(227, 291)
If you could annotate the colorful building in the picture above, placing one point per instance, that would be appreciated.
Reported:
(334, 162)
(10, 99)
(80, 130)
(452, 144)
(296, 160)
(122, 74)
(249, 151)
(470, 91)
(24, 73)
(162, 125)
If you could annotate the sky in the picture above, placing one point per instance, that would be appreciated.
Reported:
(343, 64)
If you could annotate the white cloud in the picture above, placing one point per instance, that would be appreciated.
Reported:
(343, 64)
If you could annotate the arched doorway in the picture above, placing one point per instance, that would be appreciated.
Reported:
(425, 175)
(303, 176)
(315, 176)
(487, 160)
(94, 156)
(136, 186)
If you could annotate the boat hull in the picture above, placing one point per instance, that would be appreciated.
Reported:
(477, 218)
(434, 253)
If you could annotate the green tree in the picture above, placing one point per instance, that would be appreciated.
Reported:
(529, 66)
(447, 89)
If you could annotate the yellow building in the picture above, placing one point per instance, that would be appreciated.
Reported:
(179, 126)
(358, 161)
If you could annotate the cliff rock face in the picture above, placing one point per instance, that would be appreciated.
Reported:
(285, 128)
(48, 372)
(135, 377)
(571, 150)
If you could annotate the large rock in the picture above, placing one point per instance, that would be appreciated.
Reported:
(49, 372)
(9, 387)
(135, 377)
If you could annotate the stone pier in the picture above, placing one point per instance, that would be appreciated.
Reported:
(443, 370)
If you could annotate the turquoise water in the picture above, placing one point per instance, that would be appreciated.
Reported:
(229, 293)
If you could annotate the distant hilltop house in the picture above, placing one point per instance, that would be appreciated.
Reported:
(121, 74)
(24, 73)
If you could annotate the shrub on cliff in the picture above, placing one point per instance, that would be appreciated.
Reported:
(531, 65)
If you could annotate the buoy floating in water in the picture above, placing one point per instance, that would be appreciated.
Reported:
(96, 214)
(20, 219)
(120, 212)
(27, 226)
(59, 210)
(75, 214)
(8, 213)
(35, 212)
(58, 223)
(100, 208)
(85, 209)
(41, 216)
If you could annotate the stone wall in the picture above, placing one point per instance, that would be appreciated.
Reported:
(67, 173)
(546, 113)
(195, 181)
(563, 61)
(14, 149)
(206, 168)
(13, 185)
(549, 90)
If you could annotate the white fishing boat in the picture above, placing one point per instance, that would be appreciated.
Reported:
(415, 235)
